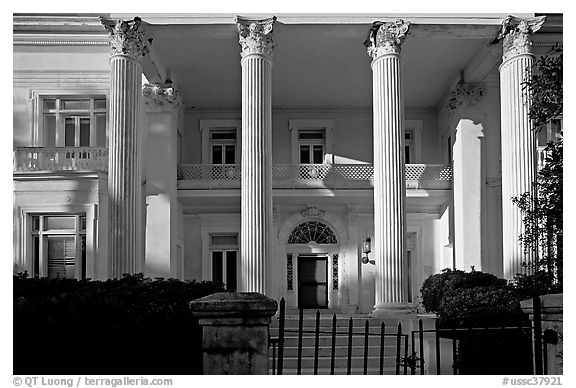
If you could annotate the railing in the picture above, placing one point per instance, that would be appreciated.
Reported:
(209, 176)
(60, 158)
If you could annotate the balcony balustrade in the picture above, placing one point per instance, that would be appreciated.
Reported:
(60, 159)
(228, 176)
(313, 176)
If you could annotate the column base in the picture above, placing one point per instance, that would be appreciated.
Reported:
(393, 310)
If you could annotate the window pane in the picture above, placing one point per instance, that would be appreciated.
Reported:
(223, 135)
(100, 103)
(61, 256)
(217, 154)
(217, 266)
(75, 104)
(231, 270)
(82, 257)
(82, 222)
(230, 157)
(36, 259)
(69, 132)
(35, 223)
(311, 135)
(225, 239)
(59, 222)
(542, 137)
(318, 154)
(49, 130)
(408, 135)
(407, 154)
(84, 132)
(100, 128)
(50, 103)
(304, 154)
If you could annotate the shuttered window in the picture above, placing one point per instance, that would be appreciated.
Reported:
(58, 246)
(61, 256)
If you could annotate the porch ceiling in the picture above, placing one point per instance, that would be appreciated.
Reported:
(315, 65)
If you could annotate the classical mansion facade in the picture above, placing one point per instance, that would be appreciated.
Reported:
(335, 161)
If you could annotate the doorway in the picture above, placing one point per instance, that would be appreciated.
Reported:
(312, 281)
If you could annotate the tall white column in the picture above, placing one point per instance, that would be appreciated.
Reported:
(124, 171)
(518, 138)
(256, 225)
(383, 46)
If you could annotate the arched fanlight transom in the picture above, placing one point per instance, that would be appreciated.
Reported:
(312, 231)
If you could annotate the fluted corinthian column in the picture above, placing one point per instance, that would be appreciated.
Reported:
(124, 176)
(256, 225)
(518, 138)
(383, 46)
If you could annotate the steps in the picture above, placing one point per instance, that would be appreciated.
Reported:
(290, 360)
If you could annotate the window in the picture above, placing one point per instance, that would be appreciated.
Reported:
(312, 231)
(59, 246)
(223, 145)
(311, 143)
(224, 260)
(408, 146)
(74, 122)
(221, 141)
(550, 134)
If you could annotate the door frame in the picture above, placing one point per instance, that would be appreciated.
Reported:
(317, 257)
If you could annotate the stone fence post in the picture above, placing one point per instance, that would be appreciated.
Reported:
(551, 311)
(234, 332)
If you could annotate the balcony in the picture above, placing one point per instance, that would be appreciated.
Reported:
(60, 159)
(312, 176)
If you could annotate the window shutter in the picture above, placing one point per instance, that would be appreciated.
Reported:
(61, 257)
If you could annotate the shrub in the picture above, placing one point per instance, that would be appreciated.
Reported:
(481, 306)
(435, 287)
(539, 283)
(132, 325)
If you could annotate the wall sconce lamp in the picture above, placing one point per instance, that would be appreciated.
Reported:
(367, 248)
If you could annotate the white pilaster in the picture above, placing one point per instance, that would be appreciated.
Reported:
(389, 180)
(124, 170)
(256, 199)
(161, 108)
(518, 140)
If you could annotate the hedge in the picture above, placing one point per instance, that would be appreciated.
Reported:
(132, 325)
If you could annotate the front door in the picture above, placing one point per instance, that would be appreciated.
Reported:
(312, 281)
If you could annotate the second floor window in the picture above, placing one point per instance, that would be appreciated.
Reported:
(223, 143)
(74, 122)
(311, 143)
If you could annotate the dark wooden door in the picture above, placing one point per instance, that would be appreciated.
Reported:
(312, 281)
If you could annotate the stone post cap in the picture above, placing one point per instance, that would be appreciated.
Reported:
(234, 305)
(549, 304)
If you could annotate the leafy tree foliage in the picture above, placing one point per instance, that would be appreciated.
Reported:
(542, 207)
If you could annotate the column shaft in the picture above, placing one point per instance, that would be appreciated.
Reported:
(256, 198)
(518, 159)
(124, 183)
(389, 181)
